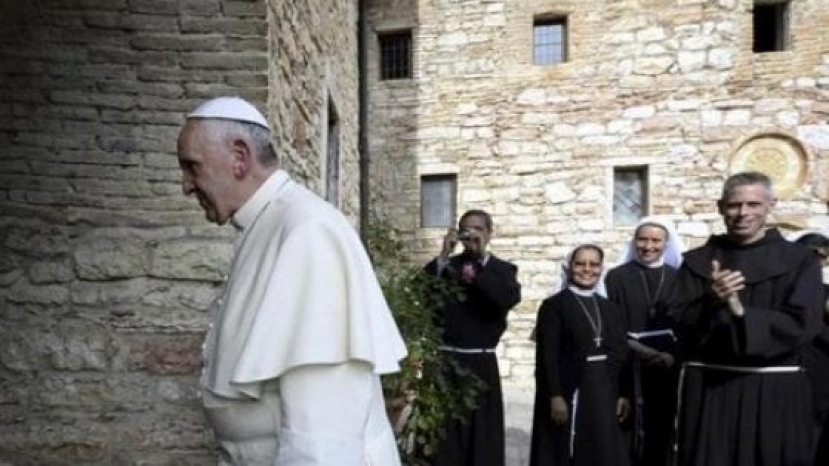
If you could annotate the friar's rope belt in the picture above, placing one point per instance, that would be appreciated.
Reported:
(744, 369)
(723, 368)
(455, 349)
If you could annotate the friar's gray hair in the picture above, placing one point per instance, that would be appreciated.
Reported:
(746, 178)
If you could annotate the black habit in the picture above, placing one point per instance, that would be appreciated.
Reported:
(819, 375)
(565, 339)
(475, 321)
(642, 293)
(733, 413)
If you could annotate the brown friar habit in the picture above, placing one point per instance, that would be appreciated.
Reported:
(567, 365)
(643, 292)
(471, 322)
(743, 401)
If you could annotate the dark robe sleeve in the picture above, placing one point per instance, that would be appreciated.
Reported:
(822, 339)
(617, 348)
(773, 331)
(548, 347)
(696, 314)
(497, 282)
(613, 287)
(782, 311)
(432, 268)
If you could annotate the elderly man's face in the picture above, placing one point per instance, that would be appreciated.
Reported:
(206, 170)
(745, 211)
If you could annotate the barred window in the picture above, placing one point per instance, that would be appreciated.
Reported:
(549, 40)
(395, 55)
(437, 200)
(630, 195)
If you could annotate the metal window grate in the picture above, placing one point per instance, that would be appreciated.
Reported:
(396, 55)
(549, 41)
(630, 195)
(437, 200)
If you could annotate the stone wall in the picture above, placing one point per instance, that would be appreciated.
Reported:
(106, 269)
(313, 57)
(671, 84)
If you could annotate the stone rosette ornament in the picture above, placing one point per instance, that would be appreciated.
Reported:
(782, 157)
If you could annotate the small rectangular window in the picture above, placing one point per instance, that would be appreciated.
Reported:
(549, 40)
(630, 195)
(332, 159)
(771, 26)
(395, 55)
(437, 200)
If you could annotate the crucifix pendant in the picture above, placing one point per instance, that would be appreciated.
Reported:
(598, 341)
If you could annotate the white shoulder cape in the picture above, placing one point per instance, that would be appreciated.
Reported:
(301, 291)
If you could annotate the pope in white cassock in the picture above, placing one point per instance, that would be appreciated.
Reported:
(301, 331)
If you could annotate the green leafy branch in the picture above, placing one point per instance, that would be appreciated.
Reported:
(430, 389)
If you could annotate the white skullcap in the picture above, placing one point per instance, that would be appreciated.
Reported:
(230, 108)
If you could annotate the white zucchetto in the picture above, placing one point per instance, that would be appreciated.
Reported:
(230, 108)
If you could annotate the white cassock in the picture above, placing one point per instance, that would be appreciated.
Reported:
(301, 333)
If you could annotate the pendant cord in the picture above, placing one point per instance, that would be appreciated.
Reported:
(595, 325)
(652, 301)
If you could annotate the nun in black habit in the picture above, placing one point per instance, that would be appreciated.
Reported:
(640, 284)
(579, 356)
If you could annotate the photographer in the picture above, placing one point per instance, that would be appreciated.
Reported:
(472, 326)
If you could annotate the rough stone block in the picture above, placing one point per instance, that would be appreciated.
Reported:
(111, 258)
(191, 260)
(199, 7)
(156, 7)
(231, 26)
(46, 240)
(59, 270)
(244, 8)
(175, 354)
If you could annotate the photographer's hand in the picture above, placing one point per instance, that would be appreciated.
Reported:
(450, 240)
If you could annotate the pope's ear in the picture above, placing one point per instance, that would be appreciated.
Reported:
(242, 157)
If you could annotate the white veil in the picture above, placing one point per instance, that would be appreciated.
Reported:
(672, 255)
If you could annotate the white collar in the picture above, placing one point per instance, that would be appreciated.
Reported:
(245, 216)
(652, 265)
(581, 291)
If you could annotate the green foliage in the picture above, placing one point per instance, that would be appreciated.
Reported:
(430, 389)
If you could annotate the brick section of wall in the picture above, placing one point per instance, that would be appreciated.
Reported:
(672, 84)
(106, 269)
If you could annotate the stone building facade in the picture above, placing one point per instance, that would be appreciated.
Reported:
(106, 269)
(672, 88)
